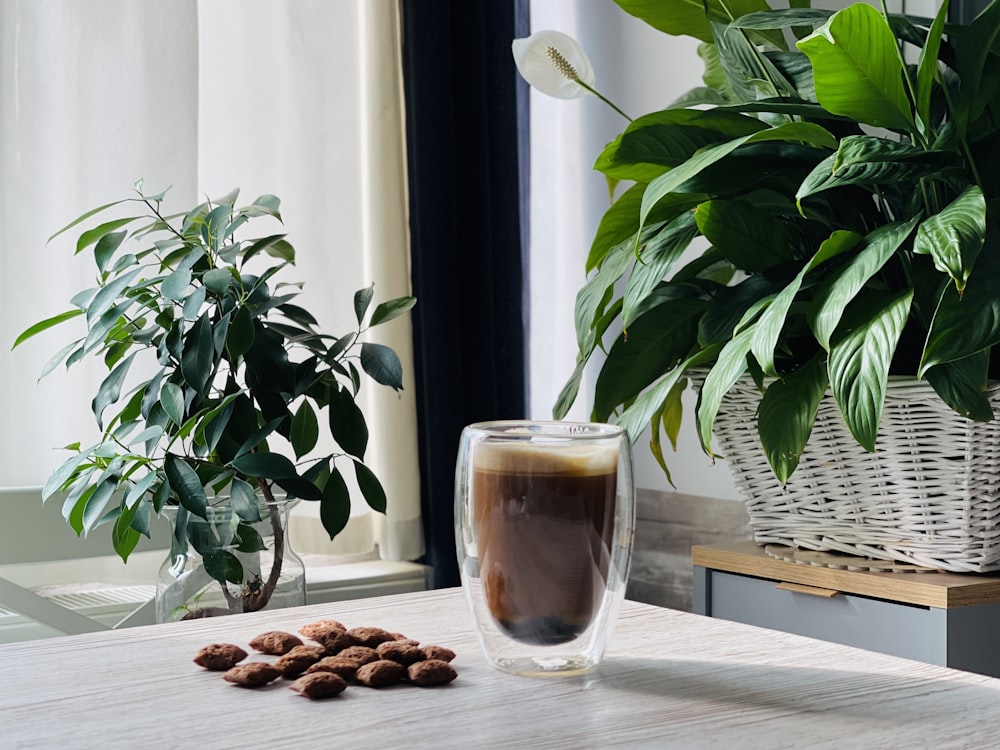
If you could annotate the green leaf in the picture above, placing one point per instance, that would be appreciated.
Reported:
(86, 216)
(198, 355)
(217, 280)
(655, 343)
(335, 506)
(175, 286)
(185, 484)
(268, 465)
(240, 336)
(689, 17)
(787, 414)
(857, 68)
(172, 401)
(656, 142)
(635, 418)
(347, 423)
(97, 501)
(974, 47)
(840, 288)
(748, 237)
(969, 323)
(732, 363)
(860, 357)
(767, 329)
(370, 487)
(382, 365)
(393, 308)
(954, 237)
(97, 233)
(223, 566)
(123, 537)
(106, 247)
(44, 325)
(261, 244)
(618, 225)
(107, 295)
(250, 540)
(793, 132)
(962, 385)
(864, 160)
(656, 259)
(244, 500)
(111, 388)
(593, 296)
(298, 487)
(927, 67)
(136, 492)
(305, 429)
(362, 299)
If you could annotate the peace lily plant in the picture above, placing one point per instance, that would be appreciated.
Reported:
(835, 177)
(213, 367)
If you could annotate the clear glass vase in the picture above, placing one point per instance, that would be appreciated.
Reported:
(271, 578)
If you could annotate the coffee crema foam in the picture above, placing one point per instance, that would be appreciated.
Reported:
(543, 456)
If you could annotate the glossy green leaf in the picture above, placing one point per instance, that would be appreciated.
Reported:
(618, 225)
(864, 160)
(391, 309)
(123, 537)
(967, 324)
(91, 236)
(223, 566)
(44, 325)
(954, 236)
(787, 414)
(370, 487)
(172, 401)
(347, 423)
(748, 237)
(198, 355)
(217, 280)
(136, 492)
(731, 363)
(839, 289)
(244, 500)
(250, 540)
(962, 385)
(857, 68)
(362, 299)
(106, 247)
(976, 44)
(593, 296)
(141, 520)
(86, 216)
(654, 344)
(175, 286)
(299, 487)
(110, 388)
(656, 259)
(767, 329)
(689, 17)
(240, 336)
(927, 66)
(635, 418)
(267, 465)
(783, 18)
(382, 364)
(185, 484)
(305, 429)
(860, 357)
(335, 507)
(97, 501)
(260, 245)
(656, 142)
(107, 295)
(794, 132)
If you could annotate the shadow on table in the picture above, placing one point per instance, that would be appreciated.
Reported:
(795, 689)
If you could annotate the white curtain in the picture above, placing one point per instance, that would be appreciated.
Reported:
(300, 99)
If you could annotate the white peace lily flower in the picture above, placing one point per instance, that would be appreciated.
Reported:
(554, 63)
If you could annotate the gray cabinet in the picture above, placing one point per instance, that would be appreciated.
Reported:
(772, 594)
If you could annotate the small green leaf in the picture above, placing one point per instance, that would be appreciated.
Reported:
(393, 308)
(175, 286)
(249, 540)
(370, 487)
(123, 537)
(954, 237)
(198, 355)
(267, 465)
(732, 363)
(44, 325)
(244, 501)
(110, 389)
(185, 484)
(224, 566)
(217, 280)
(787, 413)
(347, 423)
(962, 385)
(305, 429)
(172, 401)
(240, 336)
(362, 299)
(106, 247)
(335, 506)
(382, 364)
(97, 233)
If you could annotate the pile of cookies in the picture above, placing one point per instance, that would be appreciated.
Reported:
(338, 656)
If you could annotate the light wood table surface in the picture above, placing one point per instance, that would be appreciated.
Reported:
(670, 679)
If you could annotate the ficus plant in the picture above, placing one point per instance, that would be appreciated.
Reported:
(211, 365)
(834, 182)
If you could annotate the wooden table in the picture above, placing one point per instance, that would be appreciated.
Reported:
(671, 679)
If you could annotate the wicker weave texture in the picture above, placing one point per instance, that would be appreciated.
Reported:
(929, 495)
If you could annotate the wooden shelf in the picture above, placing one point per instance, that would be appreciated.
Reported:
(937, 589)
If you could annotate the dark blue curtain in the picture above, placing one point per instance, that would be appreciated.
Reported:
(466, 129)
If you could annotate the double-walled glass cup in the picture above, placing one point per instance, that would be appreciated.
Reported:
(545, 518)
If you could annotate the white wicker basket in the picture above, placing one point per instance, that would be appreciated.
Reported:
(929, 495)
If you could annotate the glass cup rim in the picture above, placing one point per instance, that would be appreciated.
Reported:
(550, 428)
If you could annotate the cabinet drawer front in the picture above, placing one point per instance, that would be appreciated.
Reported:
(888, 627)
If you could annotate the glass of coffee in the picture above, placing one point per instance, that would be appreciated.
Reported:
(545, 517)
